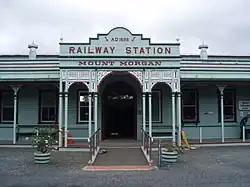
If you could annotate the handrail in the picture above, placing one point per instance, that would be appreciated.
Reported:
(218, 125)
(147, 142)
(94, 142)
(159, 152)
(201, 127)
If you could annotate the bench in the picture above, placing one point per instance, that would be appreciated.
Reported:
(161, 134)
(161, 130)
(29, 130)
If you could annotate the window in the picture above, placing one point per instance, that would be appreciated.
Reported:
(229, 102)
(156, 106)
(83, 107)
(48, 106)
(7, 107)
(190, 106)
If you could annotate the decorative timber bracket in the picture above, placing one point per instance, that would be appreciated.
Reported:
(87, 77)
(147, 78)
(169, 77)
(221, 88)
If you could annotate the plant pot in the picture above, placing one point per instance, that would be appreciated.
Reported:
(169, 156)
(42, 158)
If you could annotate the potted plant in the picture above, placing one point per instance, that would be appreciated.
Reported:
(43, 141)
(170, 152)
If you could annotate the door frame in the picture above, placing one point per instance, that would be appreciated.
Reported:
(134, 137)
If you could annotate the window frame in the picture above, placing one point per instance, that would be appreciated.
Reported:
(40, 120)
(2, 108)
(78, 120)
(160, 106)
(234, 106)
(197, 110)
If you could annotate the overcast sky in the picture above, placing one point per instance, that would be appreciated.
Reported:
(223, 24)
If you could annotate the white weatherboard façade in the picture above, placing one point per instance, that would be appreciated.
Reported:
(173, 92)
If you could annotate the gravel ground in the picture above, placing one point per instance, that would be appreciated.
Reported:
(222, 167)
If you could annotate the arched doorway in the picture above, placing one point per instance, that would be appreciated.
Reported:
(119, 110)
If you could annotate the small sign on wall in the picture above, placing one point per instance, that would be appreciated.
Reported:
(244, 105)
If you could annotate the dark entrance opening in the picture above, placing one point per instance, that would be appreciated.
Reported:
(119, 111)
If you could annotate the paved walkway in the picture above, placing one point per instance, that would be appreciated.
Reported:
(121, 157)
(204, 167)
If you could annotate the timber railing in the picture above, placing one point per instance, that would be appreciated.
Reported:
(159, 153)
(94, 145)
(147, 142)
(202, 128)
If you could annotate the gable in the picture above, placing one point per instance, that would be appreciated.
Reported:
(119, 42)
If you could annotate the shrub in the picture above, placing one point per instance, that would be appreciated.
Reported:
(171, 147)
(43, 139)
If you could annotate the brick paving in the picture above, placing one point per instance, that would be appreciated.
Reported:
(222, 167)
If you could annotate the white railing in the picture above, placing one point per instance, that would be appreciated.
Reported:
(147, 142)
(94, 145)
(202, 127)
(159, 152)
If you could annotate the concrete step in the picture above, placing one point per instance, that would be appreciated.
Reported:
(120, 168)
(120, 143)
(121, 157)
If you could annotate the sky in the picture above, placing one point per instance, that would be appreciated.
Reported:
(224, 25)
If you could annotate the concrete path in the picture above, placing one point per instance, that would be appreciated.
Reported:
(121, 157)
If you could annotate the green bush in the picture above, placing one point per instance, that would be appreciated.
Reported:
(43, 139)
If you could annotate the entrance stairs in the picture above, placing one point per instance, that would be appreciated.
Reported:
(120, 155)
(120, 143)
